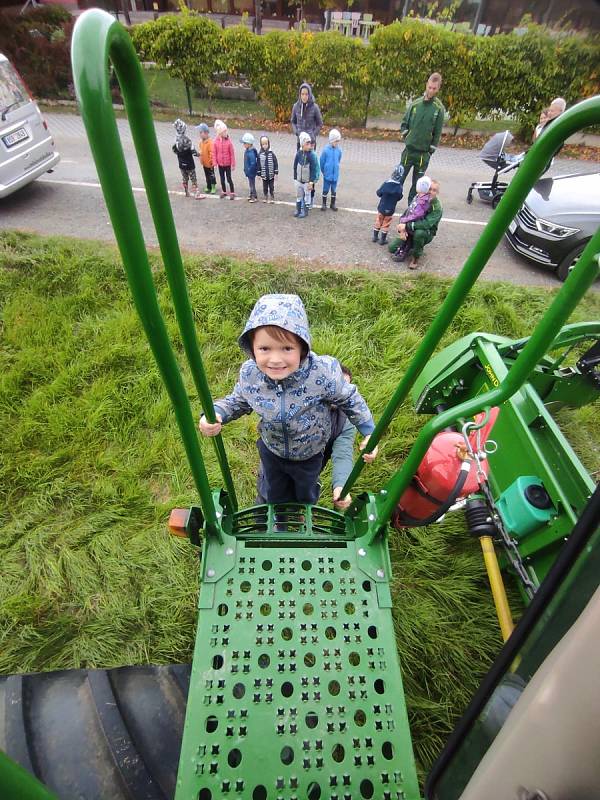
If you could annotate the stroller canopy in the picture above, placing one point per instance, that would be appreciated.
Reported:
(495, 147)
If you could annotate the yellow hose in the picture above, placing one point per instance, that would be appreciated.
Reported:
(497, 586)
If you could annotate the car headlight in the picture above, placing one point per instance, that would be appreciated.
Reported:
(552, 229)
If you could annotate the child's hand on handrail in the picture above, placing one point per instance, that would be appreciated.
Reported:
(368, 458)
(210, 428)
(341, 502)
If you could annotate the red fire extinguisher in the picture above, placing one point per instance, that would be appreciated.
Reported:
(446, 473)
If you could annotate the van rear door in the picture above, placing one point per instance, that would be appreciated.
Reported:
(26, 146)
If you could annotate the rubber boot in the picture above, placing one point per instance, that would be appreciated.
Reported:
(324, 203)
(383, 239)
(375, 235)
(332, 205)
(298, 208)
(185, 189)
(304, 209)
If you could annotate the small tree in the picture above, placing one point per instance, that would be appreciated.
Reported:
(187, 46)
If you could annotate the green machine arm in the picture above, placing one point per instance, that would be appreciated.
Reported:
(577, 117)
(98, 39)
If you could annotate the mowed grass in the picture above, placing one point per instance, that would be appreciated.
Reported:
(91, 461)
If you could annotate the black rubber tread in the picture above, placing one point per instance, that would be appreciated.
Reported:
(97, 734)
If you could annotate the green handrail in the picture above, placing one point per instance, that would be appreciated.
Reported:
(16, 782)
(575, 287)
(579, 116)
(98, 38)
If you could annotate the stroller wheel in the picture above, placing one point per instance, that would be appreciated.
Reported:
(495, 200)
(470, 196)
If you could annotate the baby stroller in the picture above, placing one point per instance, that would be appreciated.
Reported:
(495, 156)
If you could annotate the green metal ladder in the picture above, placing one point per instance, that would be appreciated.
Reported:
(296, 689)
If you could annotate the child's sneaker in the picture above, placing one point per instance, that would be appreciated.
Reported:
(265, 199)
(272, 200)
(199, 196)
(253, 200)
(222, 195)
(231, 195)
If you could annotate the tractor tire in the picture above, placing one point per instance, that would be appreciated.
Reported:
(98, 734)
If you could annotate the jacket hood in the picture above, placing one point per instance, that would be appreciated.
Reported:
(311, 99)
(284, 310)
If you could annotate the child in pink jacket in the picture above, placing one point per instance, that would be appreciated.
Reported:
(224, 158)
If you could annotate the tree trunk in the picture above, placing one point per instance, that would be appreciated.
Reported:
(258, 16)
(125, 10)
(479, 15)
(189, 98)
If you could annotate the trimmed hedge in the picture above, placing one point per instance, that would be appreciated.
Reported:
(505, 75)
(38, 44)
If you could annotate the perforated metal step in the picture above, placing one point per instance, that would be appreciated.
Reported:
(296, 690)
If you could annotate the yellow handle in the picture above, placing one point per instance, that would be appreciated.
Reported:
(497, 586)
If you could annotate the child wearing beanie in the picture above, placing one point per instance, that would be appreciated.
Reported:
(206, 157)
(185, 157)
(389, 193)
(224, 158)
(417, 210)
(330, 167)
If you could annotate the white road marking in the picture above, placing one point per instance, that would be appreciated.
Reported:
(141, 190)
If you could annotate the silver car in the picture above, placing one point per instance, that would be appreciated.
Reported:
(26, 146)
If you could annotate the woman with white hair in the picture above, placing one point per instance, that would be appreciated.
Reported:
(554, 110)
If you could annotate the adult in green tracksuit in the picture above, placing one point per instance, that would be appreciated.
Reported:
(421, 129)
(415, 235)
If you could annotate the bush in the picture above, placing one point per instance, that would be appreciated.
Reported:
(188, 46)
(38, 44)
(509, 74)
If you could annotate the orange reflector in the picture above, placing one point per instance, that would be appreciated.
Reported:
(178, 520)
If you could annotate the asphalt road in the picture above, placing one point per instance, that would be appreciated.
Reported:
(69, 202)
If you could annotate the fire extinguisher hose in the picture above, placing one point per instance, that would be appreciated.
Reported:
(463, 474)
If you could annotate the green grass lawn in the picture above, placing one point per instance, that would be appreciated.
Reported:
(91, 462)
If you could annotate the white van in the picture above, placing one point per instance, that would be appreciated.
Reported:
(26, 146)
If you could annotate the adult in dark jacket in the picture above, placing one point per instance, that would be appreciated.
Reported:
(306, 115)
(413, 236)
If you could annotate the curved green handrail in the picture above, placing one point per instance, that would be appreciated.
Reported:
(97, 39)
(579, 116)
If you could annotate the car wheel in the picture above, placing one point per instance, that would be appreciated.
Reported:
(569, 261)
(495, 200)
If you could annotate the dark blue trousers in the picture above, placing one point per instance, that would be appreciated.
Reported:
(286, 481)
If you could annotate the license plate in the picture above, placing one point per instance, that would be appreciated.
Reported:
(15, 137)
(512, 226)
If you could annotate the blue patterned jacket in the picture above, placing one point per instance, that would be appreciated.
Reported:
(295, 413)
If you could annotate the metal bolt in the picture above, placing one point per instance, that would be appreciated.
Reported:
(229, 551)
(383, 491)
(219, 515)
(362, 552)
(211, 573)
(371, 517)
(380, 573)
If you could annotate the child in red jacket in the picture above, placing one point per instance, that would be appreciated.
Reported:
(224, 158)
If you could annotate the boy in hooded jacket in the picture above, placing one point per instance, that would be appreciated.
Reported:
(306, 115)
(330, 168)
(292, 390)
(390, 193)
(267, 169)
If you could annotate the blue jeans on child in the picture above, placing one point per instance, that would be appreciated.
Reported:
(329, 185)
(287, 481)
(252, 187)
